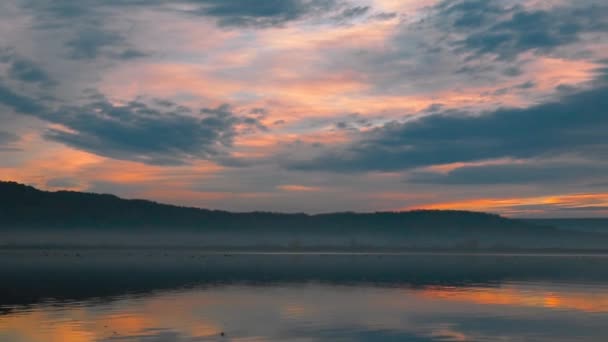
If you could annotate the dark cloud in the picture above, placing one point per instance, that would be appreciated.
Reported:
(507, 31)
(259, 112)
(23, 69)
(384, 16)
(467, 14)
(91, 43)
(353, 122)
(88, 43)
(352, 13)
(253, 124)
(28, 71)
(475, 42)
(512, 71)
(576, 123)
(130, 53)
(247, 13)
(262, 13)
(137, 131)
(342, 125)
(18, 102)
(526, 85)
(535, 172)
(86, 27)
(64, 9)
(228, 12)
(89, 29)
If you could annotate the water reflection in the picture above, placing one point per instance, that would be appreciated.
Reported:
(566, 297)
(276, 298)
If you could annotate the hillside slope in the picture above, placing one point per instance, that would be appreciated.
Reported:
(29, 216)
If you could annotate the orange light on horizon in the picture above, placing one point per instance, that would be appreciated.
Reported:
(505, 205)
(298, 188)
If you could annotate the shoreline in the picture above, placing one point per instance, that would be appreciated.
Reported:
(160, 250)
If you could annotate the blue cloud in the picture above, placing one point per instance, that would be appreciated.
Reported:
(18, 102)
(507, 31)
(89, 43)
(576, 123)
(24, 70)
(261, 13)
(534, 172)
(137, 131)
(227, 12)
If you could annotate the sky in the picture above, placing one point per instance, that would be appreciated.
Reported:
(311, 105)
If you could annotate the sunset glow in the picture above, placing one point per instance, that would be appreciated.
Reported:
(307, 107)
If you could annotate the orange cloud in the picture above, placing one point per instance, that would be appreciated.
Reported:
(46, 161)
(298, 188)
(446, 168)
(548, 72)
(167, 79)
(509, 205)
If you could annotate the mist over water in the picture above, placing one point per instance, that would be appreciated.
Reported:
(188, 295)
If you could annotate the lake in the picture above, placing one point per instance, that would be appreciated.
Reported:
(186, 295)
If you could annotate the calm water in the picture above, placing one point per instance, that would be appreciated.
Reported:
(82, 296)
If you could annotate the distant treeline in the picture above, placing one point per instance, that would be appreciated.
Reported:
(599, 225)
(38, 218)
(25, 206)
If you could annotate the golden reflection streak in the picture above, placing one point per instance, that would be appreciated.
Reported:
(79, 325)
(529, 297)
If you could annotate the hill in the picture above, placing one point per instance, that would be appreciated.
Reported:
(25, 206)
(29, 216)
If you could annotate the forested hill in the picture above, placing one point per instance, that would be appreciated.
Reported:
(25, 206)
(34, 218)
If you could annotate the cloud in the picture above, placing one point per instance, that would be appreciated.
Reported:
(136, 131)
(475, 42)
(352, 13)
(91, 29)
(384, 16)
(574, 124)
(7, 138)
(86, 27)
(533, 172)
(89, 43)
(508, 31)
(228, 12)
(469, 13)
(18, 102)
(298, 188)
(93, 42)
(24, 70)
(262, 13)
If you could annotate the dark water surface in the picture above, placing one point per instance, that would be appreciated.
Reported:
(152, 296)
